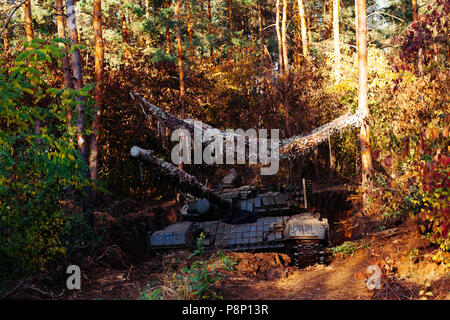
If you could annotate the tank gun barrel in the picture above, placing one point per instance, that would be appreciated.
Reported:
(184, 180)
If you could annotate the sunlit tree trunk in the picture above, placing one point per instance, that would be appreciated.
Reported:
(211, 49)
(324, 14)
(61, 26)
(77, 77)
(147, 9)
(308, 26)
(301, 12)
(261, 30)
(230, 14)
(285, 84)
(284, 42)
(284, 64)
(330, 14)
(6, 40)
(337, 53)
(297, 38)
(415, 10)
(181, 76)
(363, 99)
(180, 58)
(168, 33)
(277, 28)
(124, 26)
(356, 22)
(6, 34)
(189, 23)
(29, 32)
(99, 58)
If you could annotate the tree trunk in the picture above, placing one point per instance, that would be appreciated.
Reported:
(99, 57)
(180, 59)
(324, 14)
(330, 13)
(211, 50)
(6, 40)
(189, 23)
(230, 14)
(415, 10)
(124, 27)
(277, 28)
(356, 24)
(168, 34)
(147, 9)
(362, 99)
(77, 76)
(6, 34)
(301, 12)
(28, 21)
(29, 32)
(261, 30)
(308, 27)
(337, 53)
(61, 26)
(180, 67)
(284, 42)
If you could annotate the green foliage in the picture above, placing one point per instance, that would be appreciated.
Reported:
(202, 275)
(199, 245)
(197, 280)
(36, 166)
(347, 248)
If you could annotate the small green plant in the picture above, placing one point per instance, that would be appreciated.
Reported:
(199, 245)
(348, 248)
(195, 281)
(152, 295)
(203, 275)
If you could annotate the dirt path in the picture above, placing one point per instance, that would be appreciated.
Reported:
(403, 275)
(336, 282)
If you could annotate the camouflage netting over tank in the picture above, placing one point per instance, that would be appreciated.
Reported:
(290, 148)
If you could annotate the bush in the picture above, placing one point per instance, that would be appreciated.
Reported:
(36, 166)
(429, 186)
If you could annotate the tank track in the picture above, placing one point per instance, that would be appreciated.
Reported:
(307, 252)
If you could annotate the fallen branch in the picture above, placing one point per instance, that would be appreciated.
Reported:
(12, 291)
(11, 15)
(38, 290)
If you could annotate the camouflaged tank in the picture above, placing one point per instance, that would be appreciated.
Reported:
(258, 219)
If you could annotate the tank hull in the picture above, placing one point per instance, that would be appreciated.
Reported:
(290, 233)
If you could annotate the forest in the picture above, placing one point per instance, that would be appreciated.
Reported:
(101, 171)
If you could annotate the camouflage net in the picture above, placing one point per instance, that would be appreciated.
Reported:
(290, 148)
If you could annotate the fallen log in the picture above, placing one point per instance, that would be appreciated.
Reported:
(184, 180)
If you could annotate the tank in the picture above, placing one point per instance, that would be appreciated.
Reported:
(265, 218)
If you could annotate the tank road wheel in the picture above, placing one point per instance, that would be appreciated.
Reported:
(307, 252)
